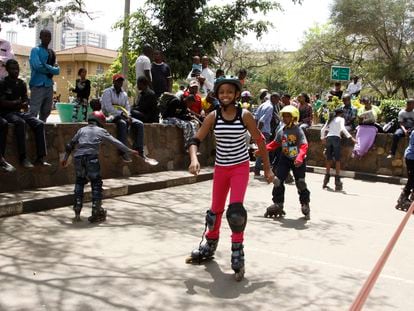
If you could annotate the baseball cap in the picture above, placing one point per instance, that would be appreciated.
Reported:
(194, 83)
(118, 76)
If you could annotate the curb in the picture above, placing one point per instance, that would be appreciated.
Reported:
(31, 204)
(361, 176)
(56, 197)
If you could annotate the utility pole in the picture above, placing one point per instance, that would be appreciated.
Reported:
(125, 46)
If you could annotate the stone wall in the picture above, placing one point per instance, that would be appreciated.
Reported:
(165, 143)
(375, 161)
(162, 142)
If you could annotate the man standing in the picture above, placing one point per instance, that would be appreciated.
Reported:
(6, 53)
(161, 75)
(43, 67)
(354, 88)
(263, 118)
(208, 74)
(143, 64)
(336, 91)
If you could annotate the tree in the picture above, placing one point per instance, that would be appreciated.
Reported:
(309, 68)
(25, 11)
(182, 28)
(387, 28)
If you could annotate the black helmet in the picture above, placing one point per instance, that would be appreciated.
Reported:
(227, 79)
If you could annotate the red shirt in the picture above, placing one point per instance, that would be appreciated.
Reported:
(196, 107)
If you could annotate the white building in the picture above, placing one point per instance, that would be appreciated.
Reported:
(58, 30)
(75, 38)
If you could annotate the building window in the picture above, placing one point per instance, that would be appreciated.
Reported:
(69, 70)
(99, 69)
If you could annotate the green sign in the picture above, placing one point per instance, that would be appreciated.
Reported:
(340, 73)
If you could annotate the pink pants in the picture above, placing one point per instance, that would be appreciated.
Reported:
(234, 178)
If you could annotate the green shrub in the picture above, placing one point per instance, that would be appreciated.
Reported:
(390, 109)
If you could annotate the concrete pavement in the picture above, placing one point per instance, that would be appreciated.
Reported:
(135, 260)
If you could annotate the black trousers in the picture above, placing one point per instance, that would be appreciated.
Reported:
(410, 174)
(20, 119)
(282, 171)
(3, 135)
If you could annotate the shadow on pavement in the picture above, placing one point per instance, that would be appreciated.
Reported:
(223, 284)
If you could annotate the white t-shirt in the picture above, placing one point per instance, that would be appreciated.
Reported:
(209, 82)
(335, 128)
(143, 63)
(354, 87)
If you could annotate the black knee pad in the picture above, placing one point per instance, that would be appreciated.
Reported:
(210, 219)
(237, 217)
(301, 184)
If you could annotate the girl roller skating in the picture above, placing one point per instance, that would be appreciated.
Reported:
(231, 172)
(331, 137)
(294, 148)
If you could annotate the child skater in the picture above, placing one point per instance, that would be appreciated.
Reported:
(334, 127)
(86, 160)
(294, 147)
(404, 201)
(231, 172)
(82, 90)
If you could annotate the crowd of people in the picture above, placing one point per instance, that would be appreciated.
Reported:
(208, 101)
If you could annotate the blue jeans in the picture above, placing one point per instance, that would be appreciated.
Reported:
(87, 166)
(395, 139)
(41, 101)
(137, 131)
(259, 161)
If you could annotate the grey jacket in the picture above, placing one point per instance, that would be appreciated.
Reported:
(90, 137)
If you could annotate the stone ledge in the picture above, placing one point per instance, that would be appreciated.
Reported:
(162, 142)
(53, 197)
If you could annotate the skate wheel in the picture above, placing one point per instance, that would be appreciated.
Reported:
(239, 275)
(76, 219)
(266, 215)
(189, 260)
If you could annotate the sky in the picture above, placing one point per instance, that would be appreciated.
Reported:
(288, 31)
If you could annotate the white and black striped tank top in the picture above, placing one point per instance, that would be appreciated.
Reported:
(231, 146)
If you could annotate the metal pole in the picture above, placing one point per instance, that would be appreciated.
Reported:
(125, 42)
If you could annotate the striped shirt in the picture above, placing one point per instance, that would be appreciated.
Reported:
(231, 147)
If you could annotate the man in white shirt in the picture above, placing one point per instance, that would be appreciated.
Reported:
(354, 87)
(6, 53)
(208, 74)
(143, 63)
(116, 107)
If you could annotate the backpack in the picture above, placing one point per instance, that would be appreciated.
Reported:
(164, 101)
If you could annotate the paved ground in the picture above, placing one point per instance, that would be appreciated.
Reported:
(135, 261)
